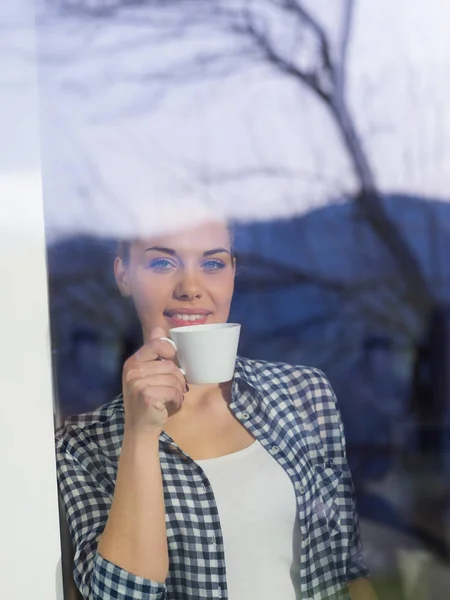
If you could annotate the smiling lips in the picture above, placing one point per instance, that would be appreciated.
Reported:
(178, 318)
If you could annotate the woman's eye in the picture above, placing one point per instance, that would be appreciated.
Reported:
(162, 264)
(213, 265)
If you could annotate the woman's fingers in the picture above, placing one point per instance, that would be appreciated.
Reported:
(136, 370)
(153, 385)
(162, 397)
(158, 381)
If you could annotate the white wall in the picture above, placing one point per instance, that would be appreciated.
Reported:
(29, 528)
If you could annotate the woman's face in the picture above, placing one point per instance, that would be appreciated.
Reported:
(185, 278)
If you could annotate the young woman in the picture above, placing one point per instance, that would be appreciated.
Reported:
(238, 491)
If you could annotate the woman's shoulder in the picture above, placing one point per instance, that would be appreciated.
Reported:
(305, 377)
(105, 422)
(308, 388)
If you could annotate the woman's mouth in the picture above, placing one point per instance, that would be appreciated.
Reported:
(179, 319)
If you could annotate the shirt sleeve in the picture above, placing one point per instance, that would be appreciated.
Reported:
(87, 502)
(334, 440)
(356, 566)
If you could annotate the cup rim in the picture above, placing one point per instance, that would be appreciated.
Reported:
(206, 327)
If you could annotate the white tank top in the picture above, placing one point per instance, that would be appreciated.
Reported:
(258, 516)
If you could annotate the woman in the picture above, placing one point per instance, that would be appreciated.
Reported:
(239, 490)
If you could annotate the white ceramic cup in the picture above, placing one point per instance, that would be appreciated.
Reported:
(207, 353)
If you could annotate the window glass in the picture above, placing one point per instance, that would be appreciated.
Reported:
(319, 134)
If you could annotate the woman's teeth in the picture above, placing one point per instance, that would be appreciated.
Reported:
(188, 318)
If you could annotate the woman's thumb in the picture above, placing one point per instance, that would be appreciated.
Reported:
(159, 334)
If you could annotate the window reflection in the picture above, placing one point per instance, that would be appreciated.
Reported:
(327, 149)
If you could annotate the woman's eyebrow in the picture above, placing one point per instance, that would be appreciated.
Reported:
(161, 249)
(172, 252)
(215, 251)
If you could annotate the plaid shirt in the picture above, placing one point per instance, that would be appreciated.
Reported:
(292, 412)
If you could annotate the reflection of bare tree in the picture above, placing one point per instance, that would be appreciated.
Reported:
(286, 36)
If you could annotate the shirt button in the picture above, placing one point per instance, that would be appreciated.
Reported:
(244, 416)
(301, 488)
(218, 592)
(274, 449)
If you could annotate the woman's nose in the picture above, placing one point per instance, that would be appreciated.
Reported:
(188, 287)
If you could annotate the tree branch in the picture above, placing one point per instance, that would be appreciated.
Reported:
(343, 46)
(309, 20)
(270, 171)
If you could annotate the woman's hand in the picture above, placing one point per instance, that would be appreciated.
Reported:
(152, 388)
(361, 589)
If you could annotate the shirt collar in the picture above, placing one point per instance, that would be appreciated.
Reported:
(244, 371)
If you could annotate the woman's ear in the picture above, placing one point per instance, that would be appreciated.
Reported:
(121, 275)
(235, 265)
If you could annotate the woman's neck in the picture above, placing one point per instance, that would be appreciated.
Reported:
(201, 395)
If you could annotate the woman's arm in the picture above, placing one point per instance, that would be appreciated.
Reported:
(87, 503)
(119, 531)
(135, 534)
(332, 433)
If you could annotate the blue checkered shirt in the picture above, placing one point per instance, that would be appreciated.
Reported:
(292, 412)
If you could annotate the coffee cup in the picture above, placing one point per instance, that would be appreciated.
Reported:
(207, 353)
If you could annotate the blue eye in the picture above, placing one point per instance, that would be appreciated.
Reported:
(213, 265)
(161, 265)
